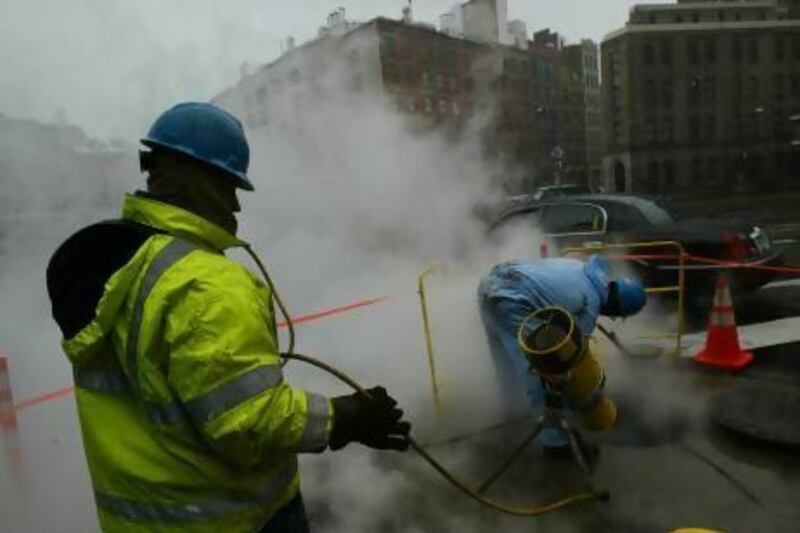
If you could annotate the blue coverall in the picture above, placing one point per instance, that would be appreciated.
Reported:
(511, 291)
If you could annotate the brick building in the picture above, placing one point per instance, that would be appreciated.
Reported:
(582, 123)
(438, 80)
(698, 95)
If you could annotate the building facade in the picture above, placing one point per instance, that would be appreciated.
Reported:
(84, 172)
(582, 124)
(698, 96)
(436, 79)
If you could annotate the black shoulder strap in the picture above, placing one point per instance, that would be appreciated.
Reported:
(78, 271)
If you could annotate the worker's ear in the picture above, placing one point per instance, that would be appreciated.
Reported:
(612, 307)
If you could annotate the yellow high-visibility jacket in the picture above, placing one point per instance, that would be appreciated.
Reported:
(187, 422)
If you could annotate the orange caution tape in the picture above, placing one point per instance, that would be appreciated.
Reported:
(43, 398)
(335, 311)
(708, 261)
(299, 320)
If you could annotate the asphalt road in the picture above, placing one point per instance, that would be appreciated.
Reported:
(668, 464)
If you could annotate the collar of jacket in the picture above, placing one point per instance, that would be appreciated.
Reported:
(597, 271)
(177, 221)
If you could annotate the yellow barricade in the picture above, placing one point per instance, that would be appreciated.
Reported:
(679, 287)
(426, 326)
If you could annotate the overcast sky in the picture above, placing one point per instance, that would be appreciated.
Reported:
(112, 65)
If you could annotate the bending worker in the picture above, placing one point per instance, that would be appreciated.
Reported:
(512, 291)
(188, 423)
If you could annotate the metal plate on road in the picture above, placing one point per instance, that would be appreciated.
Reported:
(764, 412)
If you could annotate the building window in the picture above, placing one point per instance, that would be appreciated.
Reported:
(678, 19)
(736, 91)
(388, 45)
(456, 109)
(779, 86)
(697, 170)
(428, 105)
(402, 48)
(648, 54)
(666, 92)
(753, 87)
(780, 126)
(695, 17)
(711, 169)
(694, 91)
(693, 51)
(649, 93)
(390, 73)
(710, 51)
(752, 50)
(796, 47)
(737, 50)
(694, 128)
(426, 78)
(545, 69)
(443, 106)
(666, 128)
(780, 163)
(737, 16)
(710, 89)
(650, 130)
(652, 174)
(669, 172)
(411, 103)
(721, 15)
(711, 127)
(794, 86)
(780, 48)
(666, 52)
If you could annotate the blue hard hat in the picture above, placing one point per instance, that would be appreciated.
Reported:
(206, 133)
(632, 296)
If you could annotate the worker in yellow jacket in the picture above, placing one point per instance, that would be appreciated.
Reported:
(188, 423)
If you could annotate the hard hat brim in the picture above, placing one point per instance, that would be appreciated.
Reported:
(240, 179)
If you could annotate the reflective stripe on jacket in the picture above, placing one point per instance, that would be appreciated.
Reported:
(188, 424)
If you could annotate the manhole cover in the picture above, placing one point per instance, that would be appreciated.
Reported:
(764, 412)
(643, 422)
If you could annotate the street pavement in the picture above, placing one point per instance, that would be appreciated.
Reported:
(667, 465)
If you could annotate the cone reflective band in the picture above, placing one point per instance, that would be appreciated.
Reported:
(566, 361)
(722, 349)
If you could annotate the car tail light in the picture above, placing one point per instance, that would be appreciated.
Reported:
(739, 246)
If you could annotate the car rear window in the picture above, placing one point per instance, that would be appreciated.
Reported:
(573, 218)
(655, 214)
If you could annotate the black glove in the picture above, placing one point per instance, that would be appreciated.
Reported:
(373, 421)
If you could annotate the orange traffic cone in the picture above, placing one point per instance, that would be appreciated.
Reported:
(8, 418)
(722, 343)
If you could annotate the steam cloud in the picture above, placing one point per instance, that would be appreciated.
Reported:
(351, 203)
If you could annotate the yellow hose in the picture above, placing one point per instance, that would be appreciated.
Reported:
(517, 511)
